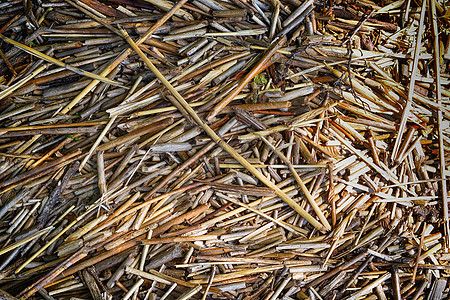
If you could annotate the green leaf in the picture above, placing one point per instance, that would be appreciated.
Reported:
(260, 79)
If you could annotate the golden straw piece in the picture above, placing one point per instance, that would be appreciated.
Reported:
(219, 141)
(122, 57)
(59, 63)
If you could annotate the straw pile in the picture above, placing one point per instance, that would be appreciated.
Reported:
(224, 149)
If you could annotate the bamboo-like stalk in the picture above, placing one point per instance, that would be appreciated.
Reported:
(21, 82)
(255, 71)
(213, 273)
(173, 202)
(39, 170)
(58, 63)
(190, 293)
(382, 172)
(438, 90)
(42, 249)
(37, 285)
(257, 212)
(412, 81)
(219, 141)
(123, 56)
(24, 241)
(367, 289)
(179, 239)
(152, 127)
(169, 291)
(106, 129)
(303, 187)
